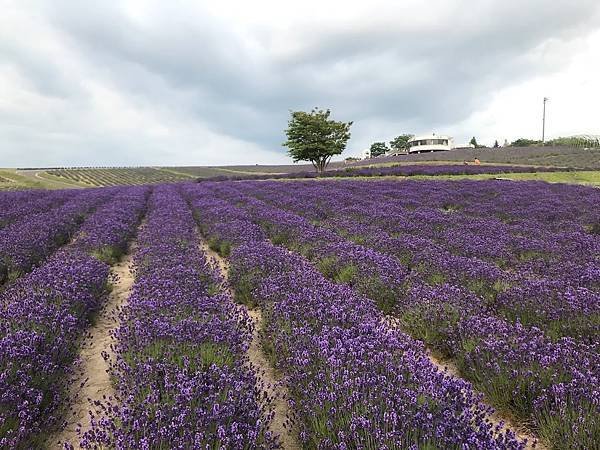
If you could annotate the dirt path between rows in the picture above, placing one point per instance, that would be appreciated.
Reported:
(496, 418)
(273, 388)
(451, 370)
(93, 383)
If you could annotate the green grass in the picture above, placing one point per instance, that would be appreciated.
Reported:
(117, 176)
(10, 180)
(172, 171)
(587, 177)
(53, 179)
(207, 172)
(591, 177)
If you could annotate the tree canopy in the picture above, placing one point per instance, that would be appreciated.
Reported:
(378, 149)
(524, 142)
(315, 137)
(400, 143)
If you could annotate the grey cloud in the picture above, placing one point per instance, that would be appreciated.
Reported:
(198, 68)
(38, 69)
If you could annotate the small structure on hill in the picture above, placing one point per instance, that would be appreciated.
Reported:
(430, 143)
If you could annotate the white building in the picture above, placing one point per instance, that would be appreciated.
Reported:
(366, 154)
(430, 143)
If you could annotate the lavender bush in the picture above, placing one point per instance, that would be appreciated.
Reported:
(28, 241)
(354, 381)
(538, 391)
(181, 372)
(106, 233)
(44, 315)
(19, 204)
(501, 277)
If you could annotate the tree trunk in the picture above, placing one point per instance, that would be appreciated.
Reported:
(321, 164)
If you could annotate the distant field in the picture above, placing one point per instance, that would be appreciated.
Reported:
(120, 176)
(152, 175)
(198, 172)
(585, 177)
(538, 156)
(61, 178)
(13, 180)
(207, 172)
(284, 168)
(397, 170)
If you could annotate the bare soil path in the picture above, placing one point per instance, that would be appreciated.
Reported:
(93, 383)
(452, 370)
(272, 384)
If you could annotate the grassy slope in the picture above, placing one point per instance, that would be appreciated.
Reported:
(95, 177)
(559, 156)
(206, 172)
(20, 181)
(591, 177)
(174, 171)
(62, 182)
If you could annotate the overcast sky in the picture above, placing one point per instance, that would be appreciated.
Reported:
(204, 83)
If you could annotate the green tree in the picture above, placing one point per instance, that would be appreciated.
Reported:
(473, 142)
(576, 141)
(315, 137)
(524, 142)
(378, 149)
(400, 143)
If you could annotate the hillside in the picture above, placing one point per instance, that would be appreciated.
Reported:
(61, 178)
(572, 157)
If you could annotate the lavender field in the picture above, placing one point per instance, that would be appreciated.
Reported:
(394, 170)
(301, 314)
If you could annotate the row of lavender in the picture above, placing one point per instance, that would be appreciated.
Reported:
(550, 383)
(541, 268)
(354, 381)
(43, 227)
(524, 226)
(18, 204)
(45, 313)
(403, 171)
(182, 374)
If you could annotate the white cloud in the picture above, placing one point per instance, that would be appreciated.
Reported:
(516, 111)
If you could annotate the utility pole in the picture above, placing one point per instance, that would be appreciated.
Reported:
(544, 121)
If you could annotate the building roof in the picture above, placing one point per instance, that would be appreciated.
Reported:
(429, 136)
